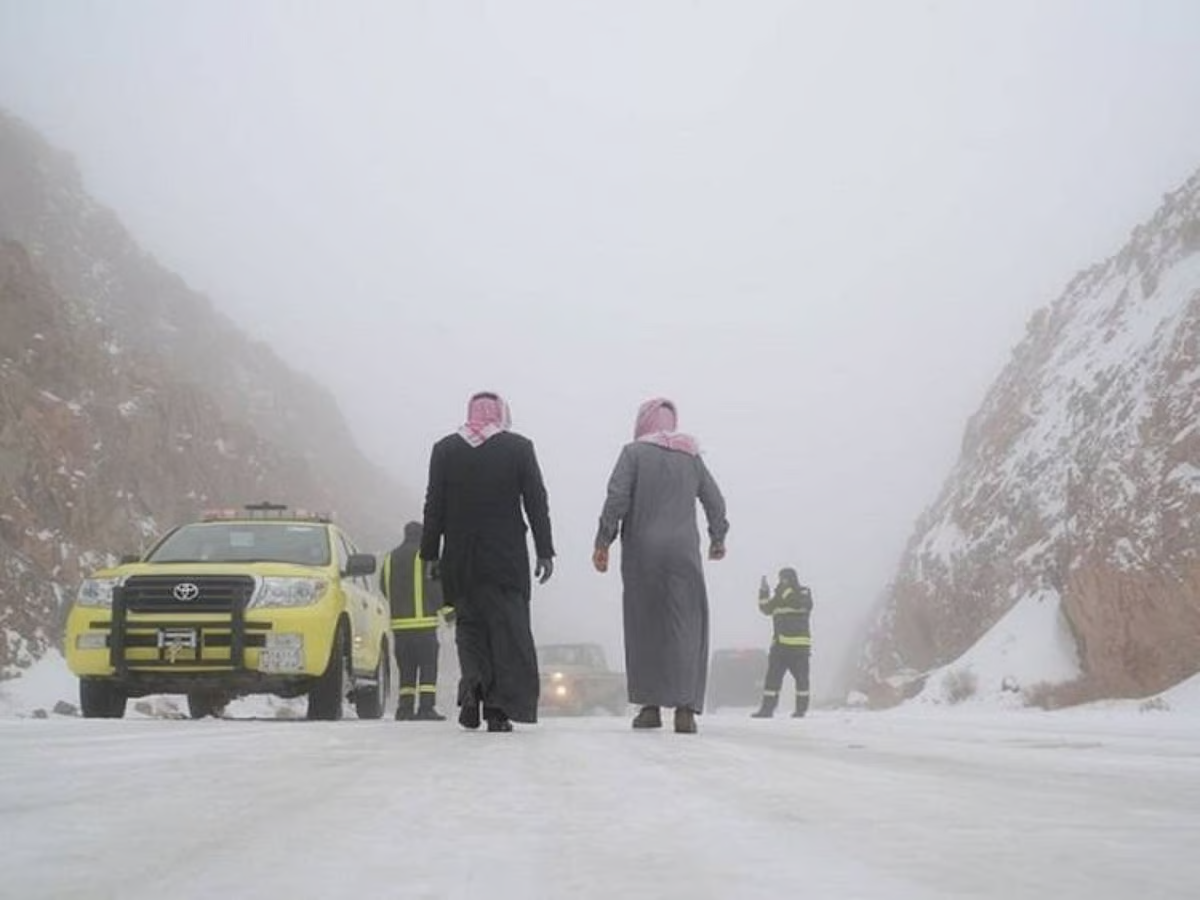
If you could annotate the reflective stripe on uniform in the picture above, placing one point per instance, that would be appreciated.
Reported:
(427, 688)
(787, 609)
(801, 693)
(418, 620)
(784, 641)
(418, 590)
(408, 692)
(770, 693)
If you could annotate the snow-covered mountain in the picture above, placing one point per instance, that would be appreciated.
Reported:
(128, 404)
(1071, 522)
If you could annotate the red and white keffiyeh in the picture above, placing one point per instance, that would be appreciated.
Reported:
(487, 416)
(656, 424)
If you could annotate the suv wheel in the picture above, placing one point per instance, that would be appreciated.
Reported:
(202, 704)
(329, 692)
(99, 699)
(369, 702)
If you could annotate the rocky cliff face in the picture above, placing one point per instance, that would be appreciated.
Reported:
(127, 404)
(1078, 485)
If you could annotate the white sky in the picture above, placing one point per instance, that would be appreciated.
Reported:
(819, 227)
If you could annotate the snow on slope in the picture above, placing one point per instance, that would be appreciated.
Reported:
(1029, 647)
(1184, 697)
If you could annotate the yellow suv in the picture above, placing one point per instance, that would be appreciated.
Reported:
(257, 602)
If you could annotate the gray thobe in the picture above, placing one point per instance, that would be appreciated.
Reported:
(651, 502)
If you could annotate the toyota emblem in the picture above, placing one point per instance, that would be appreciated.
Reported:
(185, 591)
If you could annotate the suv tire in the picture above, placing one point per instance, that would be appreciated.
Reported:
(203, 704)
(369, 702)
(328, 694)
(100, 699)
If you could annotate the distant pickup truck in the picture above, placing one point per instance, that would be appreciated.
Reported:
(576, 681)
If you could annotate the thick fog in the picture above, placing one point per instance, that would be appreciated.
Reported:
(818, 227)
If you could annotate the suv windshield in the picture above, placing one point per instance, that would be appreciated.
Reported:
(285, 542)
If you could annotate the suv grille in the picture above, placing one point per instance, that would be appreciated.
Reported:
(187, 593)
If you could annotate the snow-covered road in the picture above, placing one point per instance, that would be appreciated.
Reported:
(838, 806)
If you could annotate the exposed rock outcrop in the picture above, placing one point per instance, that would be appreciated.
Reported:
(1078, 484)
(128, 404)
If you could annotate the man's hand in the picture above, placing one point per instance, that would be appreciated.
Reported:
(543, 570)
(716, 551)
(433, 570)
(600, 559)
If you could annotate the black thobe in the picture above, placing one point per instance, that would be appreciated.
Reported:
(474, 524)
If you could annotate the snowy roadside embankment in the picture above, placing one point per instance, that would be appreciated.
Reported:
(48, 688)
(1022, 660)
(1029, 649)
(1007, 662)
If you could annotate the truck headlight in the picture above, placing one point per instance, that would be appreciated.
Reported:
(96, 592)
(280, 591)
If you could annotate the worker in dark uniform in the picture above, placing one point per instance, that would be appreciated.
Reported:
(417, 609)
(790, 608)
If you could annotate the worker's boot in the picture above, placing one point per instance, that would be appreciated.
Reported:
(685, 720)
(425, 709)
(648, 717)
(801, 706)
(767, 709)
(404, 708)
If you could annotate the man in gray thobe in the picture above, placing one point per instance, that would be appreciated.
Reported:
(651, 504)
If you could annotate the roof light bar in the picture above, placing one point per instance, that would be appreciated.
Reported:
(266, 510)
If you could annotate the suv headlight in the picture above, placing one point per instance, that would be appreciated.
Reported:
(96, 592)
(277, 591)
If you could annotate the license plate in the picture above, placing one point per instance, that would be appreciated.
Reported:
(177, 639)
(281, 659)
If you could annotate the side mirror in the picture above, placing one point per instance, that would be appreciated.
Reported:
(360, 564)
(128, 558)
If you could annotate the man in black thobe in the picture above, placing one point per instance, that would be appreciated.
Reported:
(480, 478)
